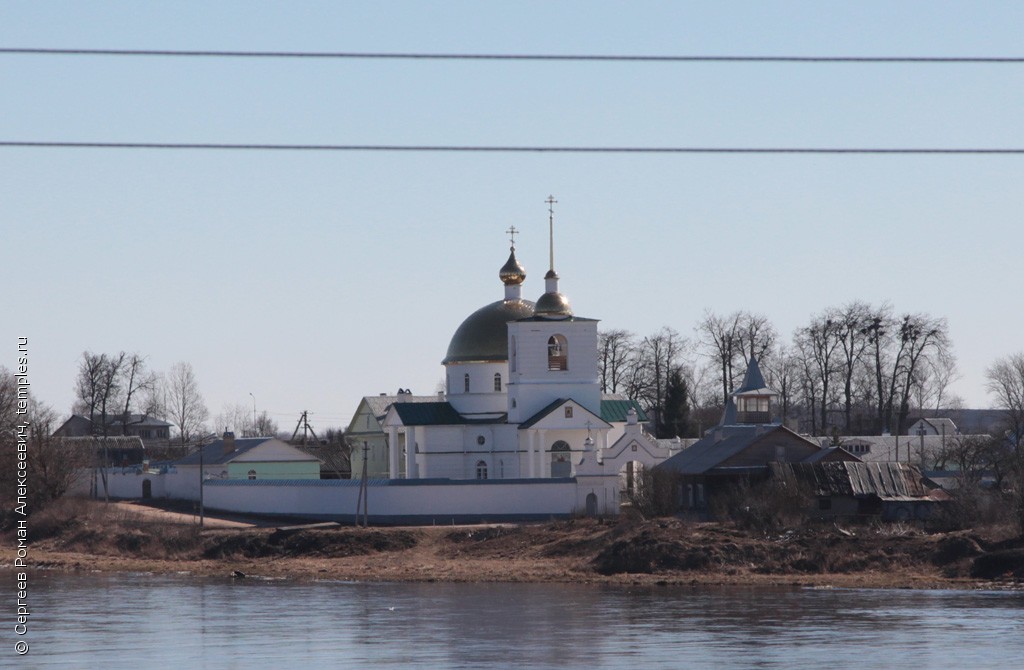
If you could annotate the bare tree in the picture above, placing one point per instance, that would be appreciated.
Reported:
(186, 407)
(851, 321)
(236, 418)
(807, 379)
(757, 336)
(135, 380)
(933, 387)
(614, 350)
(721, 340)
(98, 388)
(154, 398)
(240, 419)
(879, 332)
(1005, 381)
(264, 426)
(920, 337)
(821, 342)
(660, 354)
(782, 371)
(8, 401)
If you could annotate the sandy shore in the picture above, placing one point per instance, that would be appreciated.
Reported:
(128, 537)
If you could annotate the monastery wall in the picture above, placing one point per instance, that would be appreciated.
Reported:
(398, 501)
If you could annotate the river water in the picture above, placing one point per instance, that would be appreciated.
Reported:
(146, 621)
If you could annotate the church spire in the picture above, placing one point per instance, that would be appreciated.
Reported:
(552, 305)
(551, 236)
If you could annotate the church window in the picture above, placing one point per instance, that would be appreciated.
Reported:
(465, 383)
(481, 470)
(252, 474)
(512, 355)
(497, 382)
(558, 353)
(561, 465)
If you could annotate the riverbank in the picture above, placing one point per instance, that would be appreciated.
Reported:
(129, 537)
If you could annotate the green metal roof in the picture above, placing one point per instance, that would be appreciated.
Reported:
(614, 411)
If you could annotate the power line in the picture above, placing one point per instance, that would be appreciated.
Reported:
(506, 149)
(509, 57)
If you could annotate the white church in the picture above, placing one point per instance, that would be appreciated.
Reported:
(522, 401)
(521, 432)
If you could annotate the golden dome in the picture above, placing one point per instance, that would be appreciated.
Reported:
(553, 305)
(483, 336)
(512, 273)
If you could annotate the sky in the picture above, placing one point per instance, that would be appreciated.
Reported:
(297, 281)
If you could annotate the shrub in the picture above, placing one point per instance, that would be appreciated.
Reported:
(764, 506)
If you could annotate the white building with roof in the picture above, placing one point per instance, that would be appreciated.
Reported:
(521, 431)
(522, 400)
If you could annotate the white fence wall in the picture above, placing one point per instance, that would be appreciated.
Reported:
(388, 501)
(419, 501)
(128, 483)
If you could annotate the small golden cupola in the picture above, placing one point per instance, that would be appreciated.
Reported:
(512, 273)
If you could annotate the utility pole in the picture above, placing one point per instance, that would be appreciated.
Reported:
(253, 415)
(363, 500)
(306, 429)
(202, 512)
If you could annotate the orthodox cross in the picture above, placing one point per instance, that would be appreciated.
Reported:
(551, 230)
(512, 234)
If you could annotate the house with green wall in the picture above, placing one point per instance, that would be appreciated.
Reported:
(251, 458)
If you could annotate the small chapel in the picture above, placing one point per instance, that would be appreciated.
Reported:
(522, 399)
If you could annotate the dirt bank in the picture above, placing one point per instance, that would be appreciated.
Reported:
(128, 537)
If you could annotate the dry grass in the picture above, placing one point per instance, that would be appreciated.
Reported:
(96, 536)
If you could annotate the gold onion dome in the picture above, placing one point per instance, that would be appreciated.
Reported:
(553, 304)
(512, 273)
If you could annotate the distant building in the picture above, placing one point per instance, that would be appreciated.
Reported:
(116, 451)
(365, 434)
(743, 445)
(891, 491)
(933, 427)
(250, 458)
(153, 432)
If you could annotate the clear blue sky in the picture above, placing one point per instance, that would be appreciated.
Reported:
(311, 279)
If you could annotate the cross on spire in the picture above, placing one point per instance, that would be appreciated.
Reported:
(551, 230)
(512, 235)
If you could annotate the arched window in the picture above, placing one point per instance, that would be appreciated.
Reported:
(465, 383)
(558, 353)
(252, 474)
(481, 470)
(561, 465)
(497, 382)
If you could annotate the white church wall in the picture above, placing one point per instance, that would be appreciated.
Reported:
(396, 502)
(481, 397)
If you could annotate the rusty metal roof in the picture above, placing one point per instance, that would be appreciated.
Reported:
(888, 481)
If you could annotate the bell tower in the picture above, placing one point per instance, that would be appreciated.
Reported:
(552, 354)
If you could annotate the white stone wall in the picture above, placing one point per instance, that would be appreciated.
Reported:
(421, 502)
